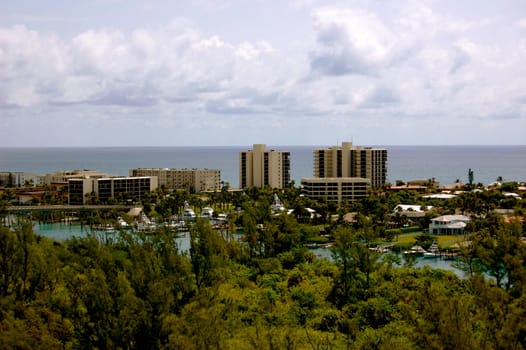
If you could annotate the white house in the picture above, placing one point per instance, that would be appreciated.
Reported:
(411, 207)
(448, 225)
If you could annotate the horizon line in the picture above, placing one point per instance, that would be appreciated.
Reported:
(271, 145)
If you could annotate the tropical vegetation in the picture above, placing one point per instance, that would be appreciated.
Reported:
(254, 284)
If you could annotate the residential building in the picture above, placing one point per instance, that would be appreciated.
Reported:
(199, 180)
(349, 161)
(110, 187)
(448, 225)
(411, 211)
(63, 176)
(336, 189)
(261, 168)
(20, 179)
(402, 208)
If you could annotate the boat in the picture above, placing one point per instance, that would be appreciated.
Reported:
(383, 248)
(122, 223)
(222, 217)
(144, 224)
(106, 228)
(277, 206)
(415, 250)
(181, 226)
(433, 251)
(207, 213)
(188, 214)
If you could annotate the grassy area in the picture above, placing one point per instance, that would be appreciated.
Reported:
(443, 241)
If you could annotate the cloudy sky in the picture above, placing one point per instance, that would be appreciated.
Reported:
(237, 72)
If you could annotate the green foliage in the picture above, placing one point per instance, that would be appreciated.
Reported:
(265, 291)
(208, 254)
(356, 262)
(425, 240)
(499, 252)
(410, 229)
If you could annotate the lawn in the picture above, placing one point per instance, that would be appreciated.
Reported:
(443, 241)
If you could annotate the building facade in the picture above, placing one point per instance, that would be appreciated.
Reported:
(352, 162)
(336, 189)
(20, 179)
(190, 179)
(261, 168)
(107, 188)
(448, 225)
(63, 176)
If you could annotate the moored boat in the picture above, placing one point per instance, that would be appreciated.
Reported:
(415, 250)
(433, 251)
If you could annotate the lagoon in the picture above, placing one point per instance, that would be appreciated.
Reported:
(63, 231)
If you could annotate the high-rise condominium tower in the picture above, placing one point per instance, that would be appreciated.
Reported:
(260, 168)
(348, 161)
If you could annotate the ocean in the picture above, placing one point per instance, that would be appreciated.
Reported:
(444, 163)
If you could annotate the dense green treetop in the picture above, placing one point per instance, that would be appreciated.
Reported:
(263, 289)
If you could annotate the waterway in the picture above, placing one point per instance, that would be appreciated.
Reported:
(435, 263)
(63, 231)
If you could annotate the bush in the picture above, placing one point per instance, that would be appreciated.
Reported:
(410, 229)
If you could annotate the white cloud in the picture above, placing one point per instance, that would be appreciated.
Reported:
(105, 66)
(350, 42)
(359, 66)
(521, 24)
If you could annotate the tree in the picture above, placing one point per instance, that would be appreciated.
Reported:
(498, 251)
(10, 181)
(207, 254)
(470, 178)
(9, 268)
(356, 263)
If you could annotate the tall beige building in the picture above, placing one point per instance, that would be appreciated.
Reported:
(348, 161)
(197, 179)
(260, 168)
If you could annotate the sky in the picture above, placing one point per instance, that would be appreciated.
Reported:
(238, 72)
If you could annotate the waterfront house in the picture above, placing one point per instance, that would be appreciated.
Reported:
(448, 225)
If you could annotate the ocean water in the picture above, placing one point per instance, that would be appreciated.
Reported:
(444, 163)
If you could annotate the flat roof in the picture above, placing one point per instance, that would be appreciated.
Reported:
(335, 179)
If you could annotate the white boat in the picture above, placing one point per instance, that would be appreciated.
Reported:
(180, 226)
(277, 206)
(188, 214)
(433, 251)
(144, 224)
(222, 217)
(207, 213)
(122, 223)
(415, 250)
